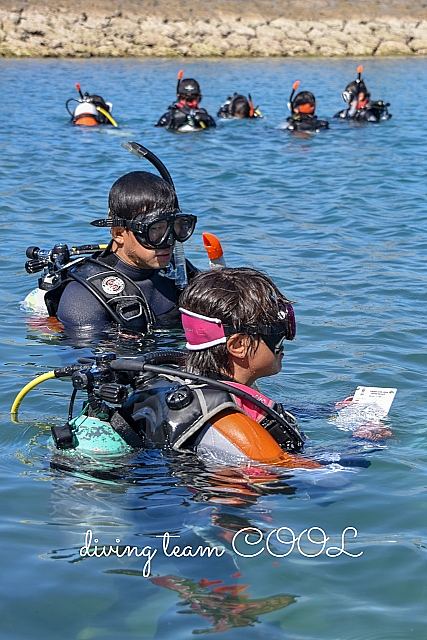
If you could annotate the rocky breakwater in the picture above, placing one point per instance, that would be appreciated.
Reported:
(31, 31)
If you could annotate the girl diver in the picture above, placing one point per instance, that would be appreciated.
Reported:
(235, 322)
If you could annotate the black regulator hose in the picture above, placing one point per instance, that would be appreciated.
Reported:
(66, 105)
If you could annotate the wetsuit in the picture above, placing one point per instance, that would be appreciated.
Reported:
(306, 122)
(102, 290)
(368, 112)
(179, 114)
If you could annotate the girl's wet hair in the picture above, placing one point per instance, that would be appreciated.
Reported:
(140, 192)
(242, 298)
(239, 106)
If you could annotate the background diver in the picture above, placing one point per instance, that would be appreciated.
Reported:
(361, 107)
(90, 110)
(185, 114)
(302, 109)
(238, 106)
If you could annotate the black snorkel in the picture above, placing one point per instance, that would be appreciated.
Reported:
(74, 99)
(294, 88)
(359, 75)
(79, 90)
(180, 271)
(142, 152)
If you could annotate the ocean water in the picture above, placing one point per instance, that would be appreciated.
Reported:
(338, 221)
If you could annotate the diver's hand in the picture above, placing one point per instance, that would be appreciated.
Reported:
(375, 431)
(344, 403)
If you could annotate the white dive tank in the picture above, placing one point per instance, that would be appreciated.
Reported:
(86, 108)
(35, 304)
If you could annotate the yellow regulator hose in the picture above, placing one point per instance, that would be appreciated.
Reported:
(27, 388)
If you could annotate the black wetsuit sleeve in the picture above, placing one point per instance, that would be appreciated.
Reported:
(165, 120)
(78, 308)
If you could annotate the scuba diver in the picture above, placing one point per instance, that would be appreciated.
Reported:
(135, 281)
(235, 323)
(91, 110)
(361, 107)
(185, 114)
(302, 109)
(238, 106)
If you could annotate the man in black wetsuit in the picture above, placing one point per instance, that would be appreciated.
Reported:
(129, 284)
(303, 118)
(185, 114)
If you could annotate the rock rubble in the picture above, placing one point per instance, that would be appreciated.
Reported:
(59, 31)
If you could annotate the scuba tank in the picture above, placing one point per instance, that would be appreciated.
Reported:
(86, 114)
(91, 110)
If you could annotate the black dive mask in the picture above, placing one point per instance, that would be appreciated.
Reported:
(273, 334)
(163, 232)
(158, 233)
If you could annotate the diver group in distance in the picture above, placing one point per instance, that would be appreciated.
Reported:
(186, 115)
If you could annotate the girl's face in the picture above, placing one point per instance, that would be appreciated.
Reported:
(249, 362)
(263, 362)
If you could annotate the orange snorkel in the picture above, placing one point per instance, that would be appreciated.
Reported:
(251, 106)
(79, 90)
(214, 250)
(180, 74)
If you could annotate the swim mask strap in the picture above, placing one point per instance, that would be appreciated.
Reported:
(202, 332)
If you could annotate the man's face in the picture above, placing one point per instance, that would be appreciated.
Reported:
(133, 253)
(190, 99)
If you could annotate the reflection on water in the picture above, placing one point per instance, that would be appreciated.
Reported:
(226, 606)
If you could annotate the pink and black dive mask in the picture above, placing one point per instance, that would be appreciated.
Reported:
(203, 332)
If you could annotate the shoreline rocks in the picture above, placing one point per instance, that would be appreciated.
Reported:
(32, 31)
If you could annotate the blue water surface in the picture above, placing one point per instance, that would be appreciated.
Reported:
(338, 221)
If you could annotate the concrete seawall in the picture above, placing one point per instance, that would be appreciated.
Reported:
(257, 29)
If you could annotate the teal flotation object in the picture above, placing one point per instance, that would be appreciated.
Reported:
(95, 438)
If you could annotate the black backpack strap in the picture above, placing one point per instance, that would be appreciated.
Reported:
(127, 307)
